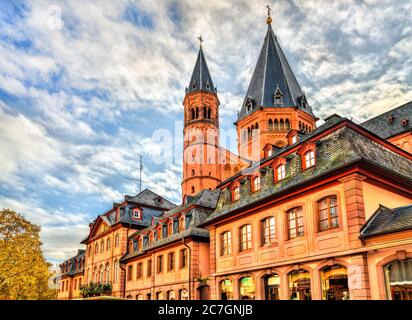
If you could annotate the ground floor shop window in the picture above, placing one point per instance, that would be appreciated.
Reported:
(272, 283)
(171, 295)
(226, 290)
(398, 279)
(159, 295)
(299, 285)
(334, 281)
(247, 288)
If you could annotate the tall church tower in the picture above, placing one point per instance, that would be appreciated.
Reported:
(275, 107)
(201, 131)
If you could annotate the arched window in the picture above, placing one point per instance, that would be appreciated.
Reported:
(116, 271)
(249, 133)
(193, 114)
(170, 228)
(245, 237)
(159, 295)
(226, 289)
(276, 125)
(101, 277)
(334, 281)
(272, 284)
(281, 125)
(117, 240)
(299, 285)
(204, 112)
(270, 125)
(197, 113)
(102, 246)
(208, 113)
(235, 193)
(96, 248)
(193, 189)
(107, 273)
(256, 128)
(328, 213)
(252, 130)
(287, 125)
(181, 223)
(171, 295)
(295, 223)
(268, 231)
(108, 244)
(131, 249)
(247, 288)
(193, 172)
(226, 243)
(398, 279)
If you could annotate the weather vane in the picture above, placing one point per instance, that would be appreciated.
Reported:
(200, 40)
(269, 19)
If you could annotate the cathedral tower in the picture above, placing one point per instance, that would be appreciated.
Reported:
(201, 131)
(275, 107)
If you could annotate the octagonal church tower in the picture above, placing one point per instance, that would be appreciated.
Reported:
(201, 169)
(275, 106)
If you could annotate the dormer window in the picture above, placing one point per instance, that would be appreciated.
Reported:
(270, 152)
(137, 214)
(249, 104)
(280, 172)
(256, 184)
(194, 85)
(159, 232)
(235, 193)
(170, 228)
(131, 246)
(294, 139)
(207, 85)
(309, 159)
(181, 223)
(308, 155)
(277, 97)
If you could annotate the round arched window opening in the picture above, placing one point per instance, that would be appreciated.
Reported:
(398, 279)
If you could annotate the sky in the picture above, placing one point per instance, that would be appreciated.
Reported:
(86, 87)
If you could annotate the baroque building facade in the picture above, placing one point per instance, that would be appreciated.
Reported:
(303, 212)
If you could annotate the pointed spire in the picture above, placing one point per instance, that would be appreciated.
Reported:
(273, 72)
(201, 79)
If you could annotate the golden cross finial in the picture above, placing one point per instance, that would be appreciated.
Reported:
(200, 40)
(269, 19)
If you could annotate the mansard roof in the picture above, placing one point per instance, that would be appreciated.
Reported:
(341, 143)
(391, 123)
(149, 198)
(72, 267)
(197, 208)
(152, 204)
(201, 79)
(273, 74)
(386, 220)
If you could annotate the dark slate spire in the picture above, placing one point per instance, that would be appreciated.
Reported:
(201, 79)
(273, 83)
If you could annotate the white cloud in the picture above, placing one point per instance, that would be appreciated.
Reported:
(77, 86)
